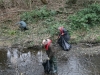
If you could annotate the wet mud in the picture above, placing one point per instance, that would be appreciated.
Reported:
(78, 61)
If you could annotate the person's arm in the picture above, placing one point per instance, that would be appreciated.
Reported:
(65, 31)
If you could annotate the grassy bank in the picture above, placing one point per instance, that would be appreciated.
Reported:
(43, 23)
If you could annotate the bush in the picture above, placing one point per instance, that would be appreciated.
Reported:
(86, 18)
(37, 14)
(2, 4)
(52, 26)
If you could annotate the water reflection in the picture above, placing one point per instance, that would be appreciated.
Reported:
(23, 62)
(13, 56)
(18, 58)
(80, 65)
(90, 64)
(28, 62)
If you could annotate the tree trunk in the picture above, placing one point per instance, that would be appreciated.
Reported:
(71, 1)
(44, 1)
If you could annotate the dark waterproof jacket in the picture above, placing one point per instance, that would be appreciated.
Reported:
(66, 35)
(63, 39)
(51, 51)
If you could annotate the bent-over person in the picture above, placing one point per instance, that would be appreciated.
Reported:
(50, 51)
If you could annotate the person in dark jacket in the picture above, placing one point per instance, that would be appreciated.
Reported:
(23, 25)
(50, 51)
(63, 38)
(64, 33)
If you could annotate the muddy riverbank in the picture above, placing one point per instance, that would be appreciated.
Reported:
(20, 51)
(80, 48)
(80, 60)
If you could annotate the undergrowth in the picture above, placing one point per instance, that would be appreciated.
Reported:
(52, 25)
(48, 23)
(37, 14)
(86, 18)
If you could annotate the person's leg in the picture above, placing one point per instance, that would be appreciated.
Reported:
(53, 65)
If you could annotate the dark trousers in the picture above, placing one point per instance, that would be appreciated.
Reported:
(53, 64)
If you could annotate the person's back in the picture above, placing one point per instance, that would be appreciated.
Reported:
(23, 25)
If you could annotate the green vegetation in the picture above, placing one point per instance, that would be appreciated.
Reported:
(37, 14)
(86, 18)
(1, 4)
(44, 23)
(51, 26)
(82, 21)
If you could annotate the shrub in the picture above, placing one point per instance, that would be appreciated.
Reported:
(2, 4)
(86, 18)
(37, 14)
(52, 26)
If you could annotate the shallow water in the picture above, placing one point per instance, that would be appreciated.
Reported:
(28, 62)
